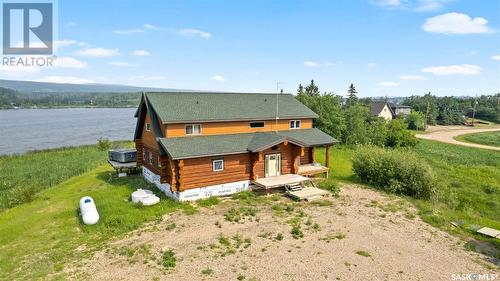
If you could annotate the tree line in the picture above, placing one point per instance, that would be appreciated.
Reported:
(350, 120)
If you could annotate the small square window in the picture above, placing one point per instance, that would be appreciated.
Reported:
(218, 165)
(148, 127)
(294, 124)
(193, 129)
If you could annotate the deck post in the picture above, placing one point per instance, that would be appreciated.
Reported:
(327, 156)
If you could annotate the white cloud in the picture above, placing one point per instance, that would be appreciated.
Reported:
(391, 3)
(98, 52)
(325, 63)
(69, 62)
(311, 63)
(411, 77)
(195, 33)
(65, 79)
(150, 26)
(388, 84)
(141, 53)
(146, 78)
(497, 57)
(371, 65)
(129, 31)
(429, 5)
(456, 23)
(463, 69)
(121, 63)
(63, 43)
(138, 29)
(218, 78)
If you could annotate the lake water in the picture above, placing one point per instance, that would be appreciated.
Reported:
(23, 130)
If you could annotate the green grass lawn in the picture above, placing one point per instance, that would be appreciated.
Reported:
(23, 176)
(468, 184)
(486, 138)
(39, 237)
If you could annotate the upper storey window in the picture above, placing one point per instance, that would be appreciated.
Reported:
(294, 124)
(256, 124)
(148, 127)
(193, 129)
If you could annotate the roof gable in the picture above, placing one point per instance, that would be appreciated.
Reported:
(210, 107)
(378, 106)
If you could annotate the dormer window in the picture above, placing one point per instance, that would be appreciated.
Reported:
(294, 124)
(148, 127)
(193, 129)
(256, 124)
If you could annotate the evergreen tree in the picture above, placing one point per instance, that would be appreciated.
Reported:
(312, 89)
(351, 95)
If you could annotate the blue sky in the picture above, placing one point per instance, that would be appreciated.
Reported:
(384, 47)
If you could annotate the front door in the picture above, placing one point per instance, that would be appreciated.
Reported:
(273, 165)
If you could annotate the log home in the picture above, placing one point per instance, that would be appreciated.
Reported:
(196, 145)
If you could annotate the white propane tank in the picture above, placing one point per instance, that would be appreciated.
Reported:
(88, 210)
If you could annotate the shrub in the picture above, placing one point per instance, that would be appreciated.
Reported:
(398, 135)
(103, 144)
(169, 259)
(396, 171)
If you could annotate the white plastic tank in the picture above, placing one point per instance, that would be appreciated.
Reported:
(88, 210)
(145, 197)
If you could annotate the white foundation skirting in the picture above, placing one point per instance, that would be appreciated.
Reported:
(196, 193)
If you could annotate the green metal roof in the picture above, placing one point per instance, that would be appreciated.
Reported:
(197, 107)
(215, 145)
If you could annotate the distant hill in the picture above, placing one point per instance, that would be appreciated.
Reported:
(29, 94)
(45, 87)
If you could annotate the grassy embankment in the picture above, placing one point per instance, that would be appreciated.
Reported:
(486, 138)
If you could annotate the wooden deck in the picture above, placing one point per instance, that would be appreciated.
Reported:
(279, 181)
(312, 169)
(308, 193)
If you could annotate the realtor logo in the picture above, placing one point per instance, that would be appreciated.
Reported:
(27, 28)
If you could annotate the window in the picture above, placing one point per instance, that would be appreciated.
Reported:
(256, 124)
(150, 157)
(148, 127)
(193, 129)
(218, 165)
(294, 124)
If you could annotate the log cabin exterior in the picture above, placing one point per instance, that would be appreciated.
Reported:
(196, 145)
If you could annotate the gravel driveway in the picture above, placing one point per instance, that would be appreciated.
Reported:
(448, 133)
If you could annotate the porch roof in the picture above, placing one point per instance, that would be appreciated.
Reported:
(216, 145)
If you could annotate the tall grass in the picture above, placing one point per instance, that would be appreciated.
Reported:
(23, 176)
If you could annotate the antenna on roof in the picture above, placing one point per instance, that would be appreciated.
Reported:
(277, 105)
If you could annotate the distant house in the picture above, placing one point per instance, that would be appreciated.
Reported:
(388, 110)
(400, 109)
(382, 109)
(196, 145)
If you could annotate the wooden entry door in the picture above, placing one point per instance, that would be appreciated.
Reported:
(273, 165)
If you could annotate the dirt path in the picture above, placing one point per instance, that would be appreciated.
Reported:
(448, 133)
(362, 235)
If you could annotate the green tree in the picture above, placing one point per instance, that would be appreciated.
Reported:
(398, 135)
(312, 89)
(377, 130)
(331, 118)
(356, 131)
(351, 95)
(416, 120)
